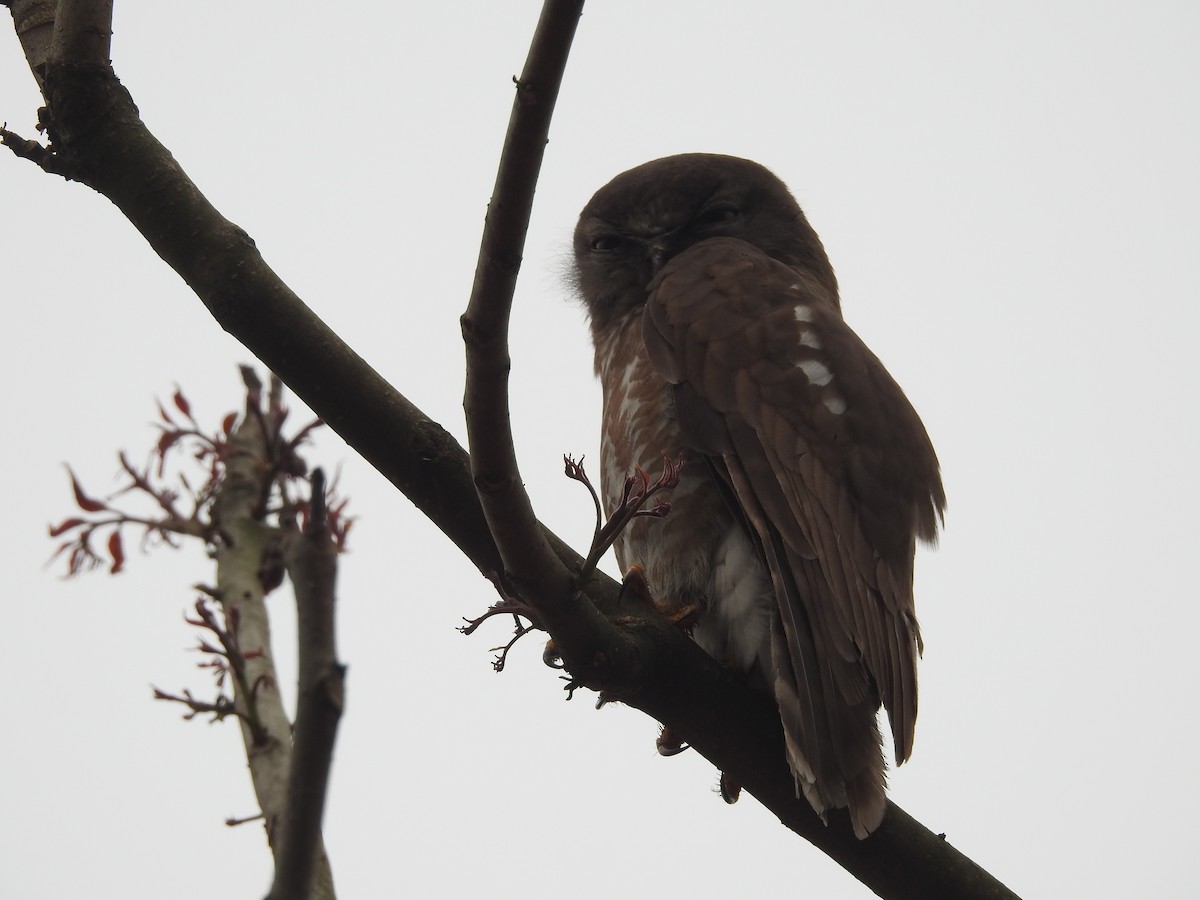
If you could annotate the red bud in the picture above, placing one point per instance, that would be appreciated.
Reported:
(65, 525)
(116, 551)
(86, 503)
(181, 403)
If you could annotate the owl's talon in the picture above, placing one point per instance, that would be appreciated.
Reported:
(685, 617)
(730, 789)
(635, 584)
(550, 656)
(669, 743)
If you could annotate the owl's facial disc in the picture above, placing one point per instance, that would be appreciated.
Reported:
(639, 221)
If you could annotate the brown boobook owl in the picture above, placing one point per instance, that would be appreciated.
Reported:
(808, 476)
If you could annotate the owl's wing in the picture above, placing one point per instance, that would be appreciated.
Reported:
(827, 461)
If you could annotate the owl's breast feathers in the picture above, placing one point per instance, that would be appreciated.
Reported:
(699, 555)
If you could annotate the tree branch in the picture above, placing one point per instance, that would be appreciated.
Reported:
(33, 21)
(525, 553)
(597, 653)
(82, 32)
(311, 559)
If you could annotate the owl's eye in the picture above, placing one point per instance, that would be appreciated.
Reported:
(717, 214)
(606, 243)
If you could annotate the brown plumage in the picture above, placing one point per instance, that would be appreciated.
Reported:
(719, 334)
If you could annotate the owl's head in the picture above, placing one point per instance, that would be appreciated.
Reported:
(643, 217)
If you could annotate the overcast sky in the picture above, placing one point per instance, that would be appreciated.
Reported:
(1009, 195)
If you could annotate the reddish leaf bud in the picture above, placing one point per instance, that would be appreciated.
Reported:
(86, 503)
(181, 403)
(167, 441)
(65, 525)
(116, 551)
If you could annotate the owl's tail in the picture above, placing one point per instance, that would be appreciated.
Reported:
(838, 766)
(827, 704)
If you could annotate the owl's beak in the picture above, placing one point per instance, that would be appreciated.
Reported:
(662, 246)
(657, 253)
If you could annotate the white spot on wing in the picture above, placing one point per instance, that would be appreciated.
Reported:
(834, 404)
(803, 313)
(809, 339)
(816, 372)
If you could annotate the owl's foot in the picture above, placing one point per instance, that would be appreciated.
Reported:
(669, 743)
(685, 617)
(550, 655)
(730, 789)
(635, 584)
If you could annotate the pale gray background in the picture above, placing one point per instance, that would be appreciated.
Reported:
(1009, 194)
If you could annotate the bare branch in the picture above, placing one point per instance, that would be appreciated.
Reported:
(527, 557)
(33, 21)
(82, 32)
(23, 148)
(234, 822)
(219, 708)
(312, 566)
